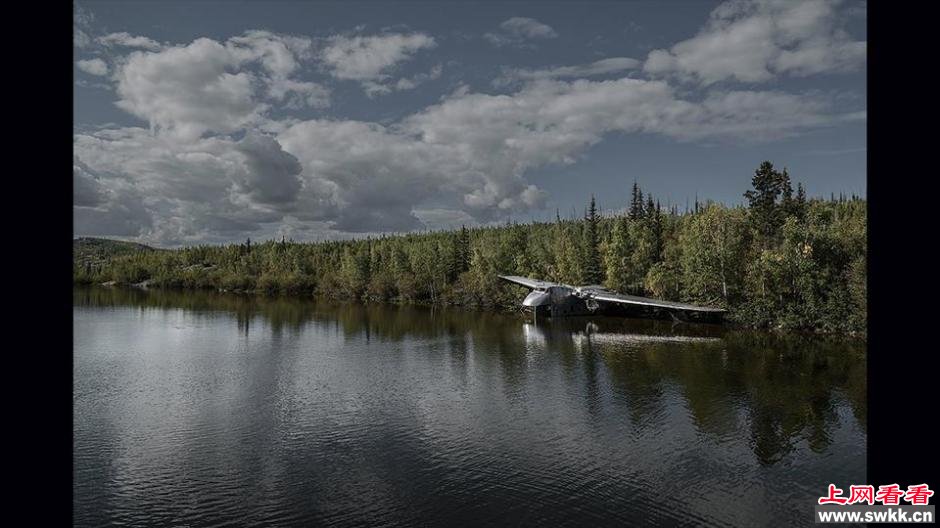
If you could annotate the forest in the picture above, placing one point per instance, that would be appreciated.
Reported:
(781, 260)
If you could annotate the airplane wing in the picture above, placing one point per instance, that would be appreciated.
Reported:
(528, 283)
(644, 301)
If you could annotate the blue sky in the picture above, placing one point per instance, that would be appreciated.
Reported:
(214, 121)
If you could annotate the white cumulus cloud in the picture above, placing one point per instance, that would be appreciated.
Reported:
(189, 90)
(519, 30)
(124, 39)
(93, 66)
(209, 86)
(371, 59)
(221, 159)
(181, 192)
(600, 67)
(470, 153)
(756, 40)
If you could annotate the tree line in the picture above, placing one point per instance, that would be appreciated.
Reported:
(781, 260)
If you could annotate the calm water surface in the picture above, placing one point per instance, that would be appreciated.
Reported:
(196, 409)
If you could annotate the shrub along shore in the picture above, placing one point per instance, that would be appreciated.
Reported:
(781, 261)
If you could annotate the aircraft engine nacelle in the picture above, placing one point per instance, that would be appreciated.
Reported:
(537, 298)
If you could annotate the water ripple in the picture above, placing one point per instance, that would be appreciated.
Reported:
(390, 417)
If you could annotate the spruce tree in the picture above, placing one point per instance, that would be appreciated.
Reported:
(636, 202)
(657, 224)
(787, 203)
(799, 203)
(591, 269)
(766, 214)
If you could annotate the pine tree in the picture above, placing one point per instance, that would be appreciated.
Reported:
(787, 203)
(591, 269)
(766, 214)
(799, 203)
(464, 249)
(657, 225)
(636, 202)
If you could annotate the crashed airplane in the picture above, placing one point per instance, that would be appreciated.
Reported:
(551, 299)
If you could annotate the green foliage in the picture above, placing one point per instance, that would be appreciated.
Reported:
(591, 272)
(768, 201)
(783, 261)
(617, 258)
(712, 242)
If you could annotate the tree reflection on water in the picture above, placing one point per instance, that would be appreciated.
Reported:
(779, 389)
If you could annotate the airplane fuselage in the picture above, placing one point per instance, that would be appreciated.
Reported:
(550, 299)
(560, 301)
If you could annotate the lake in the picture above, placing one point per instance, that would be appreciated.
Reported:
(203, 409)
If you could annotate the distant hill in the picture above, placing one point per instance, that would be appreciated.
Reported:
(92, 250)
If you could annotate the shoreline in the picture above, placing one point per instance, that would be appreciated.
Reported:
(492, 308)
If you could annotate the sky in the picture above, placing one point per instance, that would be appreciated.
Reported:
(212, 122)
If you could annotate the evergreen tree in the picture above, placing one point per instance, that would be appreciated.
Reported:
(766, 214)
(591, 269)
(799, 203)
(656, 224)
(636, 202)
(617, 256)
(807, 270)
(786, 192)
